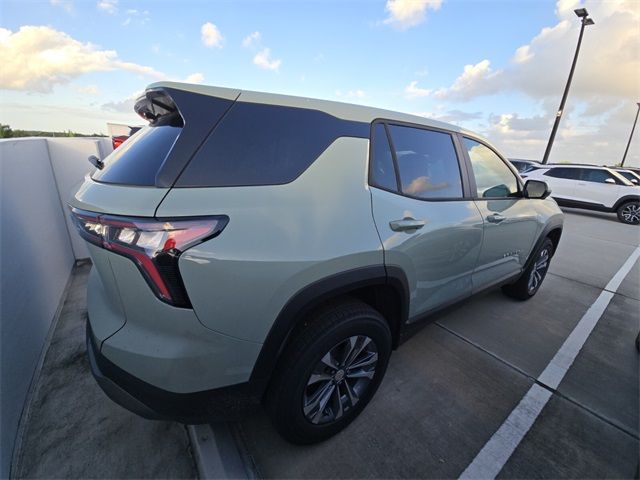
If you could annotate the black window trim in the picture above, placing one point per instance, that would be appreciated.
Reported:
(577, 179)
(472, 175)
(462, 167)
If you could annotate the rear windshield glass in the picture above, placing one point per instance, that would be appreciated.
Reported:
(137, 161)
(258, 144)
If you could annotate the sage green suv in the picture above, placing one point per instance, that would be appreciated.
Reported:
(251, 248)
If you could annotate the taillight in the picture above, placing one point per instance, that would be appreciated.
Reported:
(154, 245)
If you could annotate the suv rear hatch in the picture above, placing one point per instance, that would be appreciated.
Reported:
(114, 209)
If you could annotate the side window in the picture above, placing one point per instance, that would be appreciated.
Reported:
(427, 163)
(383, 173)
(561, 172)
(596, 176)
(493, 178)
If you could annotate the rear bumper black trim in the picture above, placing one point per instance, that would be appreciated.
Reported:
(148, 401)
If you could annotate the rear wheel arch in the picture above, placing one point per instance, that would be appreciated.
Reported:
(625, 199)
(554, 235)
(383, 288)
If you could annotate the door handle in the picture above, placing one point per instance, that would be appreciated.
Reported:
(406, 224)
(495, 218)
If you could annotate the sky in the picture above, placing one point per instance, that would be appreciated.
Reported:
(494, 67)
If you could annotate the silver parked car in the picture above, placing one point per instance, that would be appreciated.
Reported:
(254, 248)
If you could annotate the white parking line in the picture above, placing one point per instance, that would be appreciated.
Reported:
(495, 453)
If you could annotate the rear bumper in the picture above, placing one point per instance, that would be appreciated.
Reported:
(148, 401)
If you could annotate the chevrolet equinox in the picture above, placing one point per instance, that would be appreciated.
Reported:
(251, 248)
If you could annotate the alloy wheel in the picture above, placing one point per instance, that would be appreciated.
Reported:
(631, 213)
(539, 270)
(340, 379)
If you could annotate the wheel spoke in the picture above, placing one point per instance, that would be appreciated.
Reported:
(364, 362)
(361, 374)
(329, 361)
(321, 402)
(339, 379)
(337, 409)
(318, 377)
(351, 394)
(312, 403)
(357, 344)
(350, 345)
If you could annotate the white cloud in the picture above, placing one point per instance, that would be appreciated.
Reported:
(523, 54)
(412, 91)
(108, 6)
(66, 4)
(123, 106)
(404, 14)
(251, 40)
(600, 107)
(263, 60)
(195, 78)
(211, 36)
(475, 80)
(608, 65)
(36, 58)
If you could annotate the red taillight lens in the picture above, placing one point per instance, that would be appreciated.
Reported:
(153, 244)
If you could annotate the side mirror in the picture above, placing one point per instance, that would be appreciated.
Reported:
(634, 181)
(536, 189)
(96, 162)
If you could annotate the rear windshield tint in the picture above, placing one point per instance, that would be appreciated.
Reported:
(137, 160)
(258, 144)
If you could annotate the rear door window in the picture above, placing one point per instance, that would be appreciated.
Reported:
(427, 163)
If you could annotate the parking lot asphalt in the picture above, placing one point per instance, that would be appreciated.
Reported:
(451, 387)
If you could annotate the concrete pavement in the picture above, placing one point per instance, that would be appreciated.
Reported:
(75, 431)
(450, 387)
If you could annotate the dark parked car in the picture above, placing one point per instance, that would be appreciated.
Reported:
(524, 166)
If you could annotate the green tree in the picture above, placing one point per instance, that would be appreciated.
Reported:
(5, 131)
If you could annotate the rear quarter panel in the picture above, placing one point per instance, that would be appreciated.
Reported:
(280, 238)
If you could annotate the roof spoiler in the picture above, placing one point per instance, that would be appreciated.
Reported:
(155, 104)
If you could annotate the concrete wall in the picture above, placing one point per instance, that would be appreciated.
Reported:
(37, 251)
(69, 161)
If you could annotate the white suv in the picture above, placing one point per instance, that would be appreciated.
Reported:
(592, 188)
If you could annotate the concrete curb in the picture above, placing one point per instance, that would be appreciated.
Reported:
(217, 453)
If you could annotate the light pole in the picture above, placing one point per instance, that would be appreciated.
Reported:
(584, 15)
(626, 150)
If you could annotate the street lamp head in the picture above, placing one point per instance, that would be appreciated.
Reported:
(581, 12)
(588, 21)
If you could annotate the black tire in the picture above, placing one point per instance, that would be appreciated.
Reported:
(327, 330)
(629, 212)
(523, 289)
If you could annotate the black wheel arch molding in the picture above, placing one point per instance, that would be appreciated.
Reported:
(625, 199)
(552, 230)
(295, 311)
